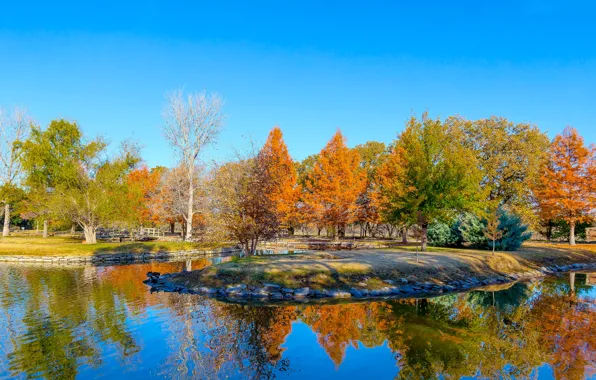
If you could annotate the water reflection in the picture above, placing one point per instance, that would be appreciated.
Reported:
(65, 322)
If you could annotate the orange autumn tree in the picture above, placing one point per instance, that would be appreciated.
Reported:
(144, 186)
(284, 191)
(335, 184)
(567, 189)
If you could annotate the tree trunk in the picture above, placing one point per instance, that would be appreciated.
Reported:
(72, 230)
(188, 266)
(423, 238)
(45, 229)
(6, 229)
(189, 211)
(172, 227)
(404, 235)
(571, 233)
(90, 235)
(291, 231)
(493, 247)
(253, 247)
(572, 281)
(341, 230)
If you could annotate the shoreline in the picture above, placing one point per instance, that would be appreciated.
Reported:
(371, 274)
(273, 294)
(121, 257)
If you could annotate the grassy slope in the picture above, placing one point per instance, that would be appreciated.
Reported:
(343, 269)
(64, 246)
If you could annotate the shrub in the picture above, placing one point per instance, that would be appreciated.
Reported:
(472, 230)
(469, 229)
(514, 232)
(444, 235)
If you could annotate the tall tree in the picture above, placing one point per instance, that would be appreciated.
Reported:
(13, 129)
(435, 174)
(336, 183)
(192, 122)
(567, 189)
(284, 190)
(509, 156)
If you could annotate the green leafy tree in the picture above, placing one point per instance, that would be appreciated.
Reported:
(509, 157)
(437, 176)
(372, 154)
(72, 181)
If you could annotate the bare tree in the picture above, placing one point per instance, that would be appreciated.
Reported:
(13, 128)
(171, 197)
(192, 122)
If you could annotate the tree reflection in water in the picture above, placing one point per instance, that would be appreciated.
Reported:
(65, 322)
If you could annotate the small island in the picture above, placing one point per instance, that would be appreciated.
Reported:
(380, 273)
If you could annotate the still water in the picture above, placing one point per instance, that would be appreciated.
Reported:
(93, 321)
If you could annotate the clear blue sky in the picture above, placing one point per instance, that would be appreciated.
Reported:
(308, 66)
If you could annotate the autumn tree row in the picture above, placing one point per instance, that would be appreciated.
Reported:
(432, 172)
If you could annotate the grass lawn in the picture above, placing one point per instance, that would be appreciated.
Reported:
(344, 269)
(68, 246)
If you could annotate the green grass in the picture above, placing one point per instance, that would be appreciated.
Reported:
(68, 246)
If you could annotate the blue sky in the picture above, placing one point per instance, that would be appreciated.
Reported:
(310, 66)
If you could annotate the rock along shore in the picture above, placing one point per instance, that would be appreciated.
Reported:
(396, 288)
(120, 257)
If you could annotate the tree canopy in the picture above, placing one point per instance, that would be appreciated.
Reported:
(430, 174)
(567, 188)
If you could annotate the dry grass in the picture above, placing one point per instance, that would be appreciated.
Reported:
(65, 246)
(349, 268)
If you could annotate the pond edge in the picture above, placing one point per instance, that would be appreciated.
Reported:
(395, 289)
(129, 257)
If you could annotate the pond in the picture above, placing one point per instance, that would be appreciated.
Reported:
(102, 321)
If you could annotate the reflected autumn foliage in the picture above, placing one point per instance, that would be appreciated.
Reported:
(59, 320)
(566, 329)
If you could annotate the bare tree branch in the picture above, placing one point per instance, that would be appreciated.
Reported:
(192, 122)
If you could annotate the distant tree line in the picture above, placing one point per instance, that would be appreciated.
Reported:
(484, 183)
